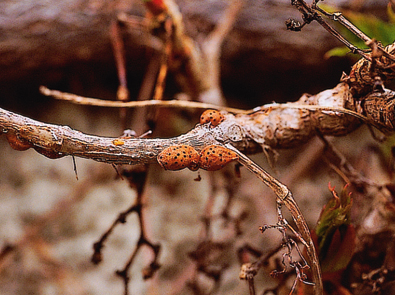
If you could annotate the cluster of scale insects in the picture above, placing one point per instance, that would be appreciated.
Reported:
(211, 158)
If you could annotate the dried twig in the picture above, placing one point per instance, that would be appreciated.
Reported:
(119, 55)
(377, 108)
(284, 196)
(309, 14)
(379, 64)
(338, 16)
(211, 48)
(133, 104)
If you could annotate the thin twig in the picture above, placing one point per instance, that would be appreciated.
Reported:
(337, 16)
(284, 196)
(119, 55)
(98, 246)
(137, 179)
(211, 48)
(133, 104)
(309, 14)
(198, 105)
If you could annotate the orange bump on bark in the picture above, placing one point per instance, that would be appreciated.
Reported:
(17, 143)
(48, 153)
(118, 141)
(211, 116)
(179, 157)
(215, 157)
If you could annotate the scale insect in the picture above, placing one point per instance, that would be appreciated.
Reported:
(211, 116)
(17, 143)
(179, 157)
(215, 157)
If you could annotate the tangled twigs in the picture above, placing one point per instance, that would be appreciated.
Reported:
(249, 270)
(378, 64)
(137, 178)
(284, 196)
(309, 14)
(99, 245)
(282, 225)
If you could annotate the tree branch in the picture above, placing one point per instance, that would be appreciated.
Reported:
(331, 112)
(58, 141)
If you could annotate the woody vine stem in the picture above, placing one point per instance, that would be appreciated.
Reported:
(265, 126)
(360, 97)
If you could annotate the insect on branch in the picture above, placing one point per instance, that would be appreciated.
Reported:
(224, 136)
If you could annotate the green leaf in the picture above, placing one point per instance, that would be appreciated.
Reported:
(371, 25)
(335, 233)
(337, 51)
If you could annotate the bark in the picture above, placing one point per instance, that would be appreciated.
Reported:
(331, 112)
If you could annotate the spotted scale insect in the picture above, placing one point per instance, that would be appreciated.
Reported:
(215, 157)
(211, 116)
(17, 143)
(179, 157)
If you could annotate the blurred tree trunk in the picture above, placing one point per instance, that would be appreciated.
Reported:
(43, 35)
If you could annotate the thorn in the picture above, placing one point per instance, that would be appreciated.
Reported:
(75, 167)
(117, 171)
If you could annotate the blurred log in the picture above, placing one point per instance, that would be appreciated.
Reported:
(51, 34)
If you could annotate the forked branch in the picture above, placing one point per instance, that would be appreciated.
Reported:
(377, 66)
(284, 196)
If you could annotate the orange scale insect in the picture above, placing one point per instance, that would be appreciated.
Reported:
(49, 153)
(16, 143)
(179, 157)
(215, 157)
(211, 116)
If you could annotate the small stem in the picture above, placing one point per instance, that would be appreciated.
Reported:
(353, 29)
(284, 195)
